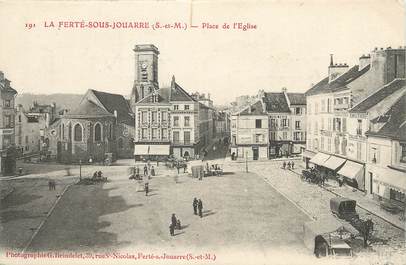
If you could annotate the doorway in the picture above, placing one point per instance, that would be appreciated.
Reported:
(255, 153)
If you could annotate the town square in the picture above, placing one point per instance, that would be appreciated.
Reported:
(271, 137)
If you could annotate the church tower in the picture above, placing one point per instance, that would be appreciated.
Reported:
(146, 72)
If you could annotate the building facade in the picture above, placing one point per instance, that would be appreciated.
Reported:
(7, 124)
(329, 122)
(249, 133)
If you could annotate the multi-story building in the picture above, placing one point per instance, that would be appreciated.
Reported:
(222, 124)
(7, 138)
(386, 159)
(329, 101)
(167, 120)
(30, 127)
(287, 122)
(249, 132)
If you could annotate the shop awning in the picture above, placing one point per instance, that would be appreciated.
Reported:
(334, 162)
(351, 169)
(319, 159)
(390, 177)
(308, 154)
(159, 149)
(141, 149)
(152, 149)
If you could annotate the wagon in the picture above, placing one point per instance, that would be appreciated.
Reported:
(344, 208)
(326, 237)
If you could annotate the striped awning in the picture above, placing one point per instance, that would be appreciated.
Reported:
(334, 162)
(319, 158)
(151, 149)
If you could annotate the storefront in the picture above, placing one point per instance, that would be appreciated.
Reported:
(389, 184)
(151, 151)
(331, 166)
(353, 174)
(307, 155)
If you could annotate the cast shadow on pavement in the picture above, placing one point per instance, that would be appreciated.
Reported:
(208, 213)
(75, 223)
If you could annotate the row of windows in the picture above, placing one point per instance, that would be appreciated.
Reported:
(185, 107)
(326, 106)
(78, 132)
(164, 135)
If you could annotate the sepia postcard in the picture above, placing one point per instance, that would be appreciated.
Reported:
(203, 132)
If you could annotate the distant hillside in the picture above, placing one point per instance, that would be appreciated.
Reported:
(62, 101)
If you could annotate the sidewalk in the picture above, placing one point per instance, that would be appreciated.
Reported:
(363, 201)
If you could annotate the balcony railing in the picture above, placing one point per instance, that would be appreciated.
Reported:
(342, 106)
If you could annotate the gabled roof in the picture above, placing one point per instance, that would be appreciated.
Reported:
(88, 109)
(6, 87)
(163, 96)
(395, 126)
(297, 98)
(253, 109)
(340, 83)
(379, 95)
(276, 102)
(115, 102)
(179, 94)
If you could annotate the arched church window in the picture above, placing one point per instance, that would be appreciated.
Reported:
(97, 132)
(78, 132)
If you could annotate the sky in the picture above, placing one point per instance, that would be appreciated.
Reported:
(290, 47)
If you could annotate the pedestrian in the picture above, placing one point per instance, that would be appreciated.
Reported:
(137, 172)
(289, 165)
(195, 202)
(172, 229)
(146, 189)
(293, 165)
(90, 160)
(185, 168)
(152, 171)
(145, 170)
(200, 207)
(284, 164)
(149, 165)
(173, 220)
(177, 166)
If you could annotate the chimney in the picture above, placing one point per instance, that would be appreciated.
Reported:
(335, 70)
(1, 77)
(364, 60)
(284, 89)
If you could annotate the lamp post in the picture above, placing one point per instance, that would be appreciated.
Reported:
(80, 169)
(246, 161)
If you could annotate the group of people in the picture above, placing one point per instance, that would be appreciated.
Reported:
(198, 206)
(175, 224)
(149, 171)
(289, 165)
(98, 176)
(214, 169)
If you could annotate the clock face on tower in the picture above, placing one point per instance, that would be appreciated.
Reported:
(144, 66)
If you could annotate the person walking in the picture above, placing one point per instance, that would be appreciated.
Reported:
(289, 165)
(195, 202)
(152, 171)
(293, 165)
(185, 168)
(284, 164)
(145, 170)
(200, 207)
(173, 220)
(146, 189)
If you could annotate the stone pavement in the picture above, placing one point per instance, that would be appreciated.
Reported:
(363, 201)
(314, 201)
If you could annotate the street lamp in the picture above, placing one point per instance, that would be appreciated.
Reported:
(80, 169)
(246, 161)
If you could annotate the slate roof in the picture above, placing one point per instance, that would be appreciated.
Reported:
(116, 102)
(379, 95)
(340, 83)
(7, 88)
(253, 109)
(179, 94)
(276, 102)
(297, 98)
(168, 94)
(395, 127)
(88, 109)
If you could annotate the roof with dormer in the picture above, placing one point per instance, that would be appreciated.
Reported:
(167, 95)
(275, 102)
(395, 122)
(338, 84)
(379, 95)
(255, 108)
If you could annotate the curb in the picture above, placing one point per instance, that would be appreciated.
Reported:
(286, 197)
(362, 207)
(47, 216)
